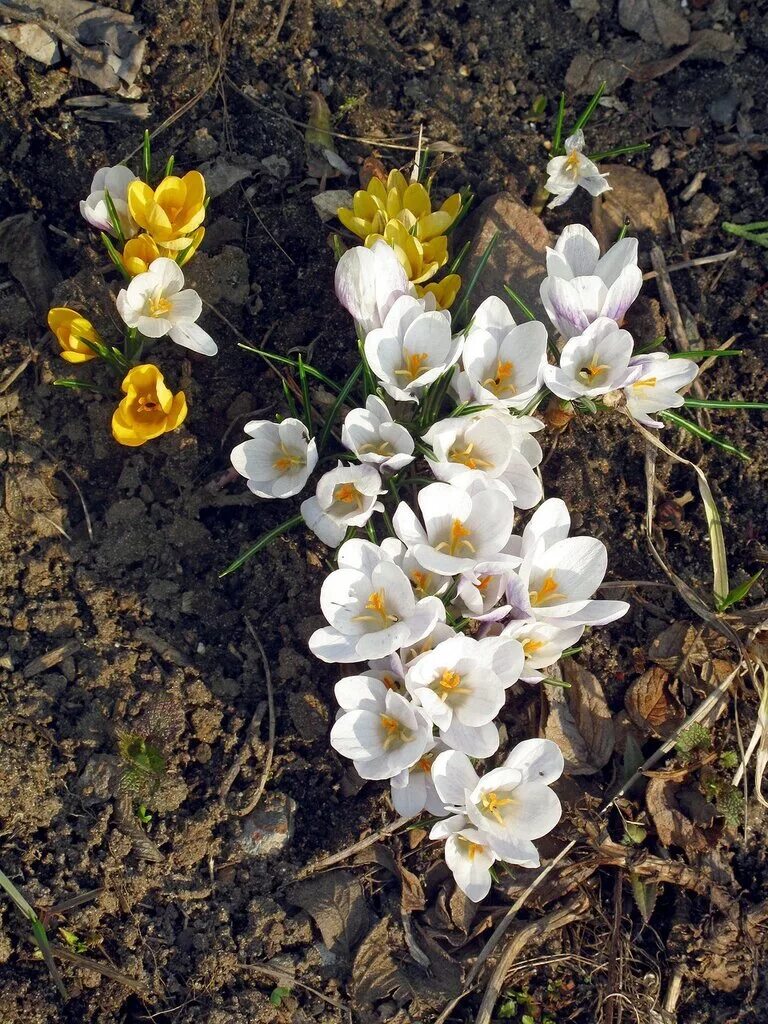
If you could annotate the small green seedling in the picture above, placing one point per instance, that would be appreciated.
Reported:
(278, 995)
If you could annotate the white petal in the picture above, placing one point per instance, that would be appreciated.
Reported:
(192, 336)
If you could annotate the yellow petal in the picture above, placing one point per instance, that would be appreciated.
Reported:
(171, 193)
(396, 180)
(352, 223)
(140, 199)
(178, 411)
(434, 224)
(194, 184)
(416, 199)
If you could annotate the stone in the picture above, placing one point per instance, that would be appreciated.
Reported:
(268, 831)
(309, 714)
(518, 258)
(221, 278)
(634, 195)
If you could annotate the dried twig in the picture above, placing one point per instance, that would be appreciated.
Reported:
(252, 801)
(532, 931)
(700, 261)
(289, 979)
(350, 851)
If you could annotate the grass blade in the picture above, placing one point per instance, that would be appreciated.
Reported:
(705, 435)
(341, 398)
(589, 109)
(461, 311)
(305, 397)
(287, 361)
(608, 154)
(740, 592)
(706, 353)
(711, 403)
(39, 934)
(114, 220)
(146, 156)
(525, 310)
(169, 166)
(558, 133)
(262, 542)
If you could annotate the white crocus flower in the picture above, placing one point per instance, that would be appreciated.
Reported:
(468, 854)
(511, 805)
(157, 303)
(115, 181)
(279, 458)
(483, 444)
(424, 583)
(656, 388)
(412, 348)
(372, 434)
(567, 173)
(502, 361)
(460, 693)
(345, 496)
(386, 736)
(581, 286)
(594, 363)
(460, 528)
(441, 631)
(521, 429)
(371, 608)
(368, 281)
(543, 644)
(559, 574)
(479, 591)
(413, 790)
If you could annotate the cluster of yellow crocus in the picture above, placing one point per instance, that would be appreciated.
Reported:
(400, 213)
(149, 408)
(170, 217)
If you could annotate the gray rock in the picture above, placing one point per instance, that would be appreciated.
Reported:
(269, 829)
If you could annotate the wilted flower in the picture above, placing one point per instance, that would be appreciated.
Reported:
(412, 348)
(581, 286)
(384, 736)
(460, 528)
(72, 333)
(594, 363)
(156, 303)
(374, 437)
(481, 444)
(115, 181)
(656, 387)
(502, 361)
(559, 574)
(149, 409)
(567, 172)
(345, 496)
(371, 608)
(172, 211)
(368, 281)
(407, 202)
(279, 458)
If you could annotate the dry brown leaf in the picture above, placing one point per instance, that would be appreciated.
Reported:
(681, 642)
(651, 706)
(579, 721)
(376, 971)
(673, 826)
(655, 21)
(336, 903)
(412, 897)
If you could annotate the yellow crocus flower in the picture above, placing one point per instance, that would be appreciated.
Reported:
(398, 199)
(72, 332)
(421, 260)
(445, 291)
(149, 408)
(172, 211)
(138, 253)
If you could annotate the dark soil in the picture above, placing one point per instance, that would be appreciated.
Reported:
(161, 641)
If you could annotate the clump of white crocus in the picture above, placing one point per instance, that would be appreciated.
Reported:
(115, 181)
(581, 286)
(559, 574)
(345, 496)
(156, 303)
(479, 591)
(462, 525)
(370, 607)
(424, 583)
(656, 386)
(279, 458)
(383, 736)
(368, 281)
(460, 693)
(567, 173)
(482, 444)
(502, 361)
(372, 434)
(412, 349)
(499, 814)
(413, 790)
(543, 644)
(594, 363)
